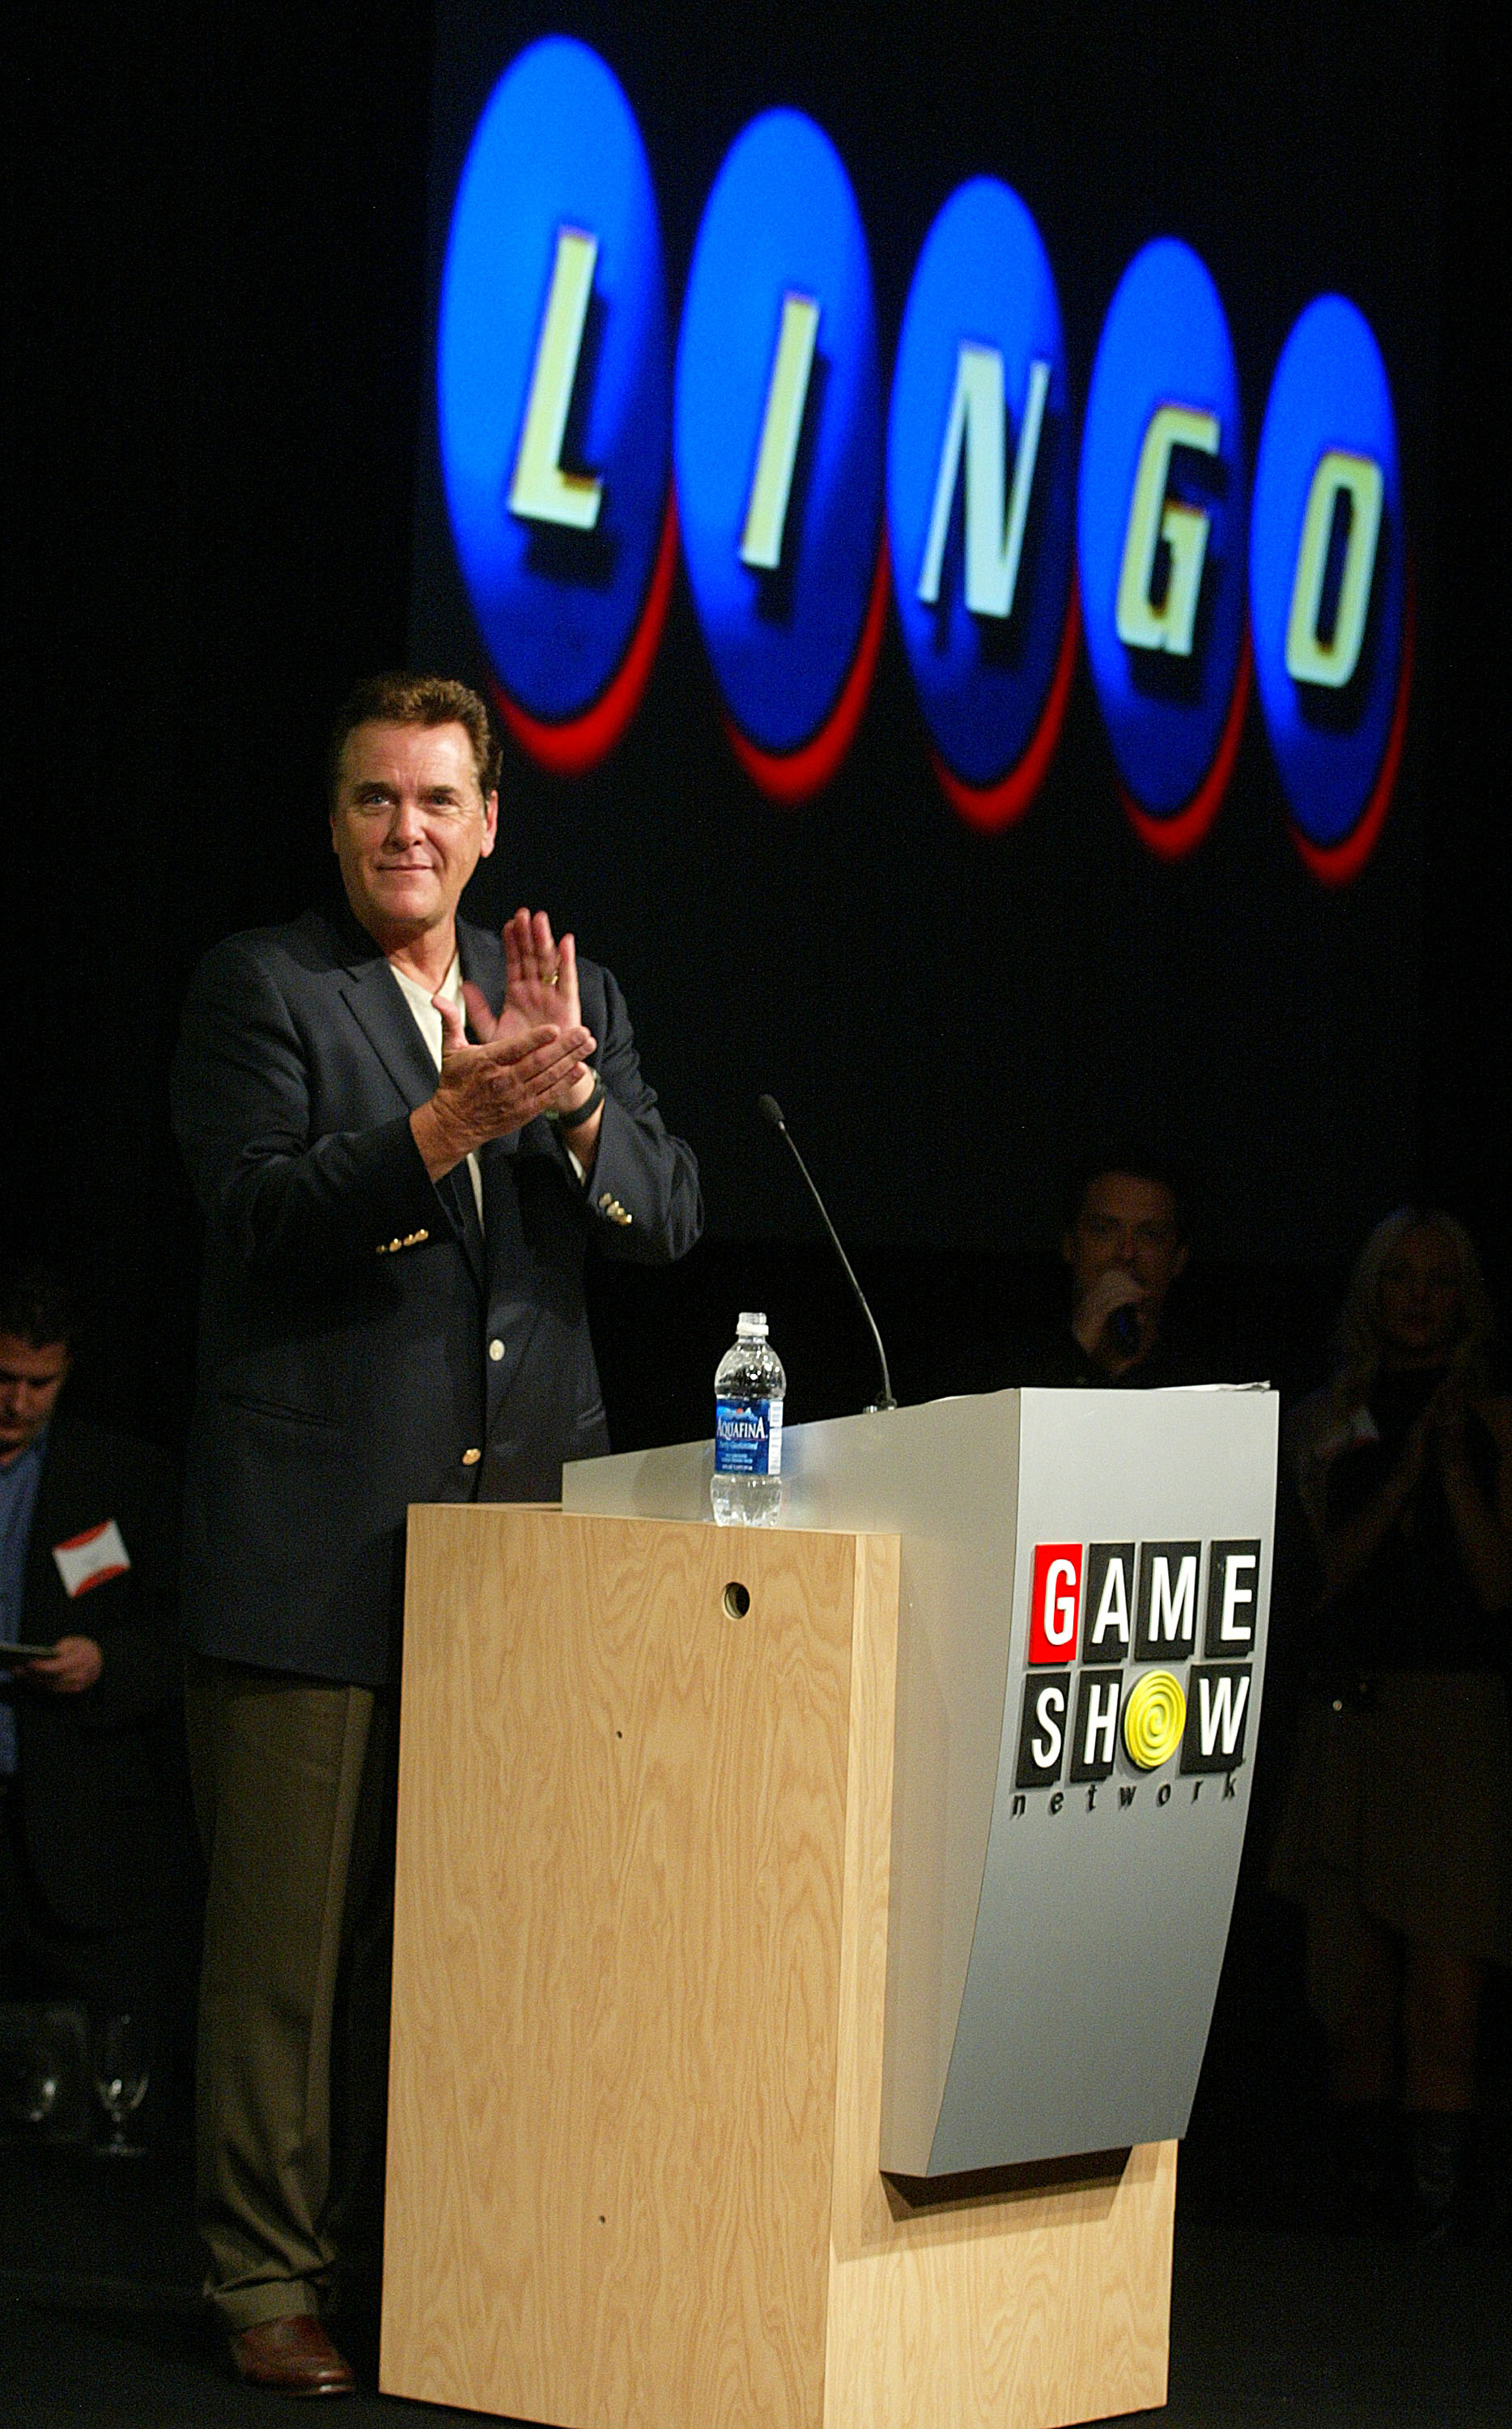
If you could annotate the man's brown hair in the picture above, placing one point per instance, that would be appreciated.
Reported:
(38, 1303)
(418, 699)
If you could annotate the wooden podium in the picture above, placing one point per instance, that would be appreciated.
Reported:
(640, 1977)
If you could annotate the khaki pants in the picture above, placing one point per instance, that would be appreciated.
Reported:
(293, 1782)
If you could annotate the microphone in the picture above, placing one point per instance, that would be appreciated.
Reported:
(770, 1111)
(1123, 1324)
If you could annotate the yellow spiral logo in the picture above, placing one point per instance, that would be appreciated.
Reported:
(1154, 1718)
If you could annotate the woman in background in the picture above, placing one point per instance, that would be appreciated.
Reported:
(1397, 1833)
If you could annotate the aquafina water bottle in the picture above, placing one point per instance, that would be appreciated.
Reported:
(747, 1487)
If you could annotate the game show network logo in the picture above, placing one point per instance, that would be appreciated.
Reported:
(1110, 1682)
(559, 421)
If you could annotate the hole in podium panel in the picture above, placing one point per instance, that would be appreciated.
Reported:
(906, 2194)
(737, 1599)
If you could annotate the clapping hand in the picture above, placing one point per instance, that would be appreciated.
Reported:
(540, 988)
(1445, 1414)
(1437, 1431)
(517, 1070)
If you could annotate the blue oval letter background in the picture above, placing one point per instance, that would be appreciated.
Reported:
(982, 312)
(1338, 750)
(557, 154)
(1173, 713)
(781, 227)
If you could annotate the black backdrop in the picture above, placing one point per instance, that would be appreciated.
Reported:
(215, 380)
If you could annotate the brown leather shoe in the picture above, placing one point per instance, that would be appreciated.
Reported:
(294, 2356)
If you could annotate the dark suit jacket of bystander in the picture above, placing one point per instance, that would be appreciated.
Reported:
(96, 1815)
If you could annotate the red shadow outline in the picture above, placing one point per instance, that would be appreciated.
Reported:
(571, 748)
(1173, 838)
(1336, 863)
(989, 807)
(792, 776)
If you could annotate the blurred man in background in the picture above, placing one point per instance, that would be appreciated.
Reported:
(88, 1575)
(1125, 1246)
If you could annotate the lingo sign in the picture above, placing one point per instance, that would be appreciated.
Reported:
(578, 449)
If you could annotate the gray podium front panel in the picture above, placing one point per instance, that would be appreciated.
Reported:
(1054, 1947)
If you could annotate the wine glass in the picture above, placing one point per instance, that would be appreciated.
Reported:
(118, 2053)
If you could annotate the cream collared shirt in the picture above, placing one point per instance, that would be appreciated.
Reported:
(428, 1021)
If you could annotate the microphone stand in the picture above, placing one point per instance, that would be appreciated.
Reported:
(771, 1112)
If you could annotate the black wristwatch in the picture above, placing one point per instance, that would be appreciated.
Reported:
(582, 1112)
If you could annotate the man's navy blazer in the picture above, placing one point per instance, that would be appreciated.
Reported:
(359, 1333)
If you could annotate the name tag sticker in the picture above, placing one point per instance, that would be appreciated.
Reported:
(89, 1559)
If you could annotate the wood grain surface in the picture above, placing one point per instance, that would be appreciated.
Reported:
(615, 1986)
(639, 1990)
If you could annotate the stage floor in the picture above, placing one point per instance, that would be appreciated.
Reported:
(1272, 2328)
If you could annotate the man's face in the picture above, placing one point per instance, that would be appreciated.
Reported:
(1127, 1225)
(30, 1381)
(409, 826)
